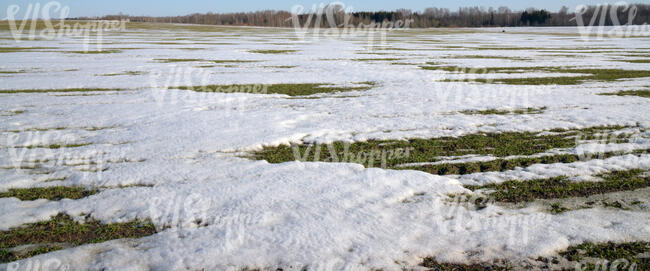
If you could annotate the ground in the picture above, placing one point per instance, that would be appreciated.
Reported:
(241, 148)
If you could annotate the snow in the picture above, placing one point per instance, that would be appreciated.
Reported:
(227, 212)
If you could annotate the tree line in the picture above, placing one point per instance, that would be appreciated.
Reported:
(430, 17)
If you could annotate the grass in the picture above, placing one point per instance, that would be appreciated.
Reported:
(480, 70)
(124, 73)
(273, 51)
(489, 57)
(611, 252)
(432, 264)
(176, 60)
(280, 67)
(12, 72)
(635, 60)
(640, 93)
(602, 75)
(23, 49)
(95, 52)
(562, 187)
(523, 111)
(287, 89)
(50, 193)
(233, 61)
(63, 229)
(55, 146)
(220, 61)
(498, 165)
(578, 254)
(57, 90)
(429, 150)
(376, 59)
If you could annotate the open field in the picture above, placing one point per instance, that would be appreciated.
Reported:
(184, 147)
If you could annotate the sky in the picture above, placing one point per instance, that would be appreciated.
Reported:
(93, 8)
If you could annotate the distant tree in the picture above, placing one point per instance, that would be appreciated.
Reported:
(535, 17)
(431, 17)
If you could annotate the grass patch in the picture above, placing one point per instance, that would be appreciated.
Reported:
(562, 187)
(49, 193)
(23, 49)
(12, 72)
(611, 252)
(63, 229)
(376, 59)
(498, 165)
(394, 153)
(640, 93)
(586, 256)
(488, 57)
(55, 146)
(95, 52)
(601, 75)
(432, 264)
(233, 61)
(524, 111)
(287, 89)
(132, 73)
(57, 90)
(273, 51)
(280, 67)
(176, 60)
(480, 70)
(635, 60)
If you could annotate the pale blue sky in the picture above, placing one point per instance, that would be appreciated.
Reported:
(175, 7)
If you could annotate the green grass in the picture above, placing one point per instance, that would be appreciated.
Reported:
(12, 113)
(635, 60)
(601, 75)
(432, 264)
(562, 187)
(428, 150)
(132, 73)
(49, 193)
(94, 52)
(488, 57)
(376, 59)
(8, 256)
(611, 252)
(640, 93)
(523, 111)
(273, 51)
(176, 60)
(57, 90)
(23, 49)
(233, 61)
(507, 164)
(55, 146)
(218, 61)
(480, 70)
(287, 89)
(280, 67)
(577, 254)
(63, 229)
(12, 72)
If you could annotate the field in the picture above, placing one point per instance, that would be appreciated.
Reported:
(183, 147)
